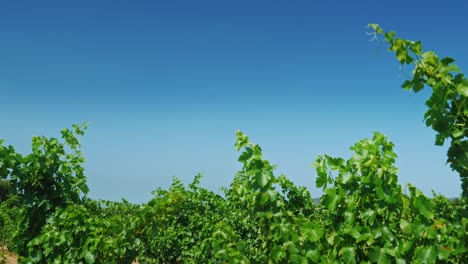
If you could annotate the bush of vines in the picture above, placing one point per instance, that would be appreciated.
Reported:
(9, 207)
(363, 216)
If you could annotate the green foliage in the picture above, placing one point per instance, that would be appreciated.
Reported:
(363, 216)
(373, 220)
(93, 232)
(9, 209)
(264, 224)
(447, 111)
(4, 190)
(175, 224)
(45, 180)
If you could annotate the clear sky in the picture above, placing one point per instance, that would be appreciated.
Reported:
(164, 85)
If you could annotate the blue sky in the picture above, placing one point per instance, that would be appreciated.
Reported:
(164, 85)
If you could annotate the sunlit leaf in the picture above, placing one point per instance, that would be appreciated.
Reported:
(348, 254)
